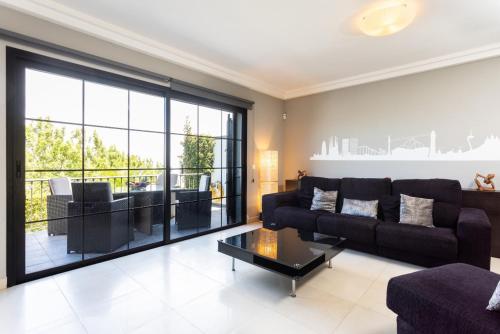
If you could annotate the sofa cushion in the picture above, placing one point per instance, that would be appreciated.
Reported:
(306, 188)
(364, 189)
(446, 299)
(438, 242)
(441, 191)
(324, 200)
(354, 228)
(299, 218)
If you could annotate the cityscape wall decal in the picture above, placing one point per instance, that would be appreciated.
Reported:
(413, 148)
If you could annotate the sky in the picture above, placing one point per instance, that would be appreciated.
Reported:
(59, 98)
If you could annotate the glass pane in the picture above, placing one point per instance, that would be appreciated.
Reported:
(210, 122)
(146, 187)
(185, 220)
(106, 105)
(186, 181)
(147, 112)
(238, 153)
(228, 124)
(227, 153)
(43, 250)
(53, 97)
(183, 117)
(231, 181)
(231, 208)
(147, 150)
(53, 146)
(209, 152)
(216, 183)
(239, 125)
(147, 225)
(105, 148)
(47, 196)
(210, 214)
(183, 151)
(103, 233)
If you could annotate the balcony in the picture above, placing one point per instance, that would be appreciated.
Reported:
(50, 235)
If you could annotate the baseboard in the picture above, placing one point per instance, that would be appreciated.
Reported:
(3, 283)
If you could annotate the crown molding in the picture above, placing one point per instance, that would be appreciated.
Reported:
(76, 20)
(62, 15)
(489, 51)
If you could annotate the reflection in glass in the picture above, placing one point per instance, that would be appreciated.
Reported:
(147, 112)
(53, 97)
(106, 105)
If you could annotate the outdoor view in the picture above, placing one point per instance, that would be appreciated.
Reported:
(96, 169)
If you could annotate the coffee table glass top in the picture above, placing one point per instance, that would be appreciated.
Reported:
(287, 246)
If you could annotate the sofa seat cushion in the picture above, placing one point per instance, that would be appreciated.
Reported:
(354, 228)
(446, 299)
(299, 218)
(438, 242)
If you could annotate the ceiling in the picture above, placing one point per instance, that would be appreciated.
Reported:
(285, 48)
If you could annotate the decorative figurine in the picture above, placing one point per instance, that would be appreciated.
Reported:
(485, 183)
(301, 174)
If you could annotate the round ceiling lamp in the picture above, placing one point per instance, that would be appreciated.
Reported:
(386, 17)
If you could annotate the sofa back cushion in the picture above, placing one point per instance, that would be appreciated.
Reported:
(306, 188)
(447, 196)
(364, 189)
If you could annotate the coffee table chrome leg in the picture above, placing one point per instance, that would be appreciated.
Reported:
(233, 265)
(330, 263)
(292, 294)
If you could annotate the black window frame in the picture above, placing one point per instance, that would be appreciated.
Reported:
(17, 61)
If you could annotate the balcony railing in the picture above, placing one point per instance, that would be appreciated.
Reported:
(37, 190)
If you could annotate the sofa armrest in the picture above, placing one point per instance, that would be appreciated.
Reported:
(271, 202)
(474, 237)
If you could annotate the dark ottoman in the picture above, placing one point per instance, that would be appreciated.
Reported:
(447, 299)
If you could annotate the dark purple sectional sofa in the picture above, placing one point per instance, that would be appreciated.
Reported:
(447, 299)
(461, 234)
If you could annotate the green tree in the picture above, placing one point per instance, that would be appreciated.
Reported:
(197, 152)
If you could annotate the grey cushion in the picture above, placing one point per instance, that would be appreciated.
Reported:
(494, 304)
(416, 211)
(356, 207)
(324, 200)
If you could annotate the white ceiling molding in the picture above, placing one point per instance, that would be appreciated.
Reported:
(76, 20)
(458, 58)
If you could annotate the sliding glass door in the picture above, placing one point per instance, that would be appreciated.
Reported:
(102, 165)
(206, 166)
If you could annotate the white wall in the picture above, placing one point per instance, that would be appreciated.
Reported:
(265, 126)
(455, 102)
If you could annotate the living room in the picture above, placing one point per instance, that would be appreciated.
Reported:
(242, 167)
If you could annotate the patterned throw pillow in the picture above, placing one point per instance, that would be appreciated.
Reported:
(416, 211)
(324, 200)
(494, 304)
(357, 207)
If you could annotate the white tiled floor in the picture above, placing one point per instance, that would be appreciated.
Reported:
(189, 287)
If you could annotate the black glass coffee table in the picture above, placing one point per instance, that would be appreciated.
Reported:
(288, 252)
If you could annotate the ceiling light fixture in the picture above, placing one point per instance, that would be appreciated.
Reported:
(386, 17)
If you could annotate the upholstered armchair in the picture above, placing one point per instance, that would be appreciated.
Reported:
(194, 207)
(107, 223)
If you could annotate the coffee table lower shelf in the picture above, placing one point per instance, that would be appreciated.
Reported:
(295, 272)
